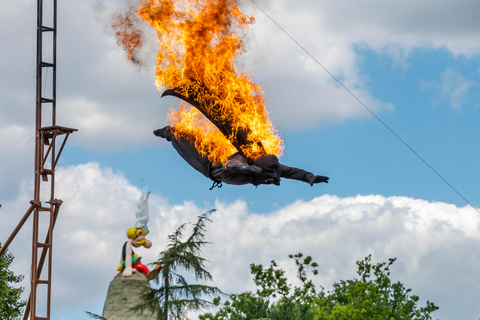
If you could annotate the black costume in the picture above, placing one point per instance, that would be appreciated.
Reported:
(264, 170)
(238, 169)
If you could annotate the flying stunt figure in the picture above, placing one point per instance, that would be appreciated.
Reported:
(199, 43)
(238, 169)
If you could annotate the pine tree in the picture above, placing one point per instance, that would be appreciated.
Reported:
(175, 295)
(11, 306)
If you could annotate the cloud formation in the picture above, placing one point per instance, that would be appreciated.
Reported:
(454, 88)
(332, 32)
(115, 106)
(93, 71)
(435, 242)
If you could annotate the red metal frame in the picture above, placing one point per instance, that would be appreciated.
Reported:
(46, 159)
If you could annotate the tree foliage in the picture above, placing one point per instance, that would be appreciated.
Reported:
(174, 294)
(11, 305)
(372, 296)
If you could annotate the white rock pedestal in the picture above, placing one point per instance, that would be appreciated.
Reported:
(125, 293)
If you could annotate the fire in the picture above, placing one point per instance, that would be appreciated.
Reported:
(190, 124)
(199, 42)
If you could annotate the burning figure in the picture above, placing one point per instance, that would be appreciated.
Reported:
(228, 135)
(238, 169)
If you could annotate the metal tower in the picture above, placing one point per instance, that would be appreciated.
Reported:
(44, 206)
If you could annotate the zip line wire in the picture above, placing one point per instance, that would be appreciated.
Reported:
(365, 106)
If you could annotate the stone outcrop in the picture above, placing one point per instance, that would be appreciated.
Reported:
(123, 294)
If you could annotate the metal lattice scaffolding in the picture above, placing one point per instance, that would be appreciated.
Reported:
(46, 158)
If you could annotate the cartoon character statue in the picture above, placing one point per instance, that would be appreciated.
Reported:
(129, 260)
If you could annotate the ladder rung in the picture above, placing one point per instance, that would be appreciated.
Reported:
(43, 245)
(46, 100)
(41, 318)
(47, 64)
(47, 28)
(43, 209)
(43, 281)
(46, 171)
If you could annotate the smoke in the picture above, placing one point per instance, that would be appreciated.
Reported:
(129, 33)
(120, 21)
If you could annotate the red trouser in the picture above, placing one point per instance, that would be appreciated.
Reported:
(140, 267)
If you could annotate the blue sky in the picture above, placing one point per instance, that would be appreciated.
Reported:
(416, 66)
(361, 156)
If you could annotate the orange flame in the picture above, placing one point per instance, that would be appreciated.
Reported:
(191, 125)
(199, 41)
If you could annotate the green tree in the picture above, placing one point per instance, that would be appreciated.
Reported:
(241, 306)
(274, 298)
(373, 296)
(11, 306)
(175, 295)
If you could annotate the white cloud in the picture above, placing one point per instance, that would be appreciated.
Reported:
(128, 126)
(115, 106)
(407, 24)
(16, 143)
(435, 243)
(94, 71)
(452, 88)
(330, 31)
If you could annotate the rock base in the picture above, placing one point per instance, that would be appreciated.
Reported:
(123, 294)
